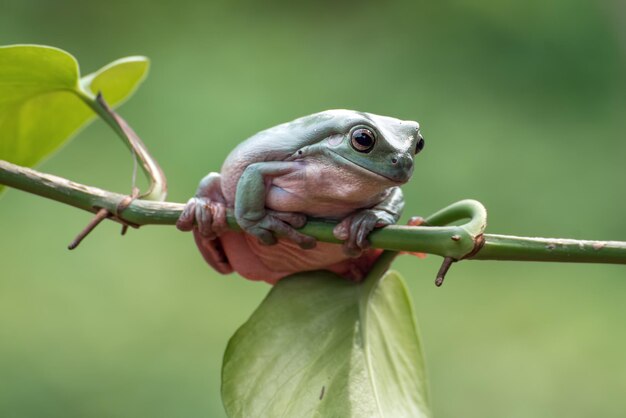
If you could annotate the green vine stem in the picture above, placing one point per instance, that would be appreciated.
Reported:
(465, 241)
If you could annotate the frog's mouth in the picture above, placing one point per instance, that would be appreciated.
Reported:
(345, 161)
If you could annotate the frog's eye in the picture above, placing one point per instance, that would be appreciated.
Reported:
(420, 145)
(363, 140)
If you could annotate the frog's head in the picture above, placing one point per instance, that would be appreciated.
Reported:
(380, 144)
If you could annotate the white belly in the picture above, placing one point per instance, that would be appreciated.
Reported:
(323, 189)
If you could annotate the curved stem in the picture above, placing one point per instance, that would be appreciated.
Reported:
(456, 242)
(158, 183)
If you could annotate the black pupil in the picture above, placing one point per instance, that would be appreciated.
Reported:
(420, 145)
(364, 139)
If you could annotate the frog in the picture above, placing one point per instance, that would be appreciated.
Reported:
(342, 165)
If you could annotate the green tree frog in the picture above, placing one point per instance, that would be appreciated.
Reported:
(338, 164)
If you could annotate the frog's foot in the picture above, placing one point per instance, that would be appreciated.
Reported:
(275, 224)
(207, 215)
(207, 210)
(355, 228)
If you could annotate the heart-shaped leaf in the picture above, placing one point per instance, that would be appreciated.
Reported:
(42, 98)
(319, 346)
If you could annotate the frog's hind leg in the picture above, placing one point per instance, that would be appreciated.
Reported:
(213, 253)
(205, 214)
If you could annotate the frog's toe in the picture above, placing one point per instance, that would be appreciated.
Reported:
(264, 236)
(187, 219)
(364, 228)
(204, 218)
(343, 231)
(283, 225)
(208, 216)
(304, 241)
(357, 242)
(355, 229)
(219, 223)
(279, 224)
(296, 220)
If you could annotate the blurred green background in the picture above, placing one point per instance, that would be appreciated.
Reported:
(522, 105)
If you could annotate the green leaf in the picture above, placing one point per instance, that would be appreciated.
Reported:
(43, 101)
(319, 346)
(118, 80)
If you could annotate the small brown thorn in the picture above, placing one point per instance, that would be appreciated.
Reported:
(124, 204)
(443, 270)
(101, 215)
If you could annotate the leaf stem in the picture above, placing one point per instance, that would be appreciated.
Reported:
(158, 183)
(456, 242)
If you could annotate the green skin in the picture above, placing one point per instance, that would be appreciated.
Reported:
(312, 166)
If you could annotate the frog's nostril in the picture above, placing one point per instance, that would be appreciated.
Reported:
(401, 167)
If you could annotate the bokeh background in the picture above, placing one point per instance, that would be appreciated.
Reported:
(522, 105)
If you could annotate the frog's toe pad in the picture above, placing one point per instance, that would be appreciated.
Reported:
(296, 220)
(354, 231)
(281, 224)
(187, 219)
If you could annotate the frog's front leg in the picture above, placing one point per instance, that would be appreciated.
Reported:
(250, 210)
(206, 210)
(355, 228)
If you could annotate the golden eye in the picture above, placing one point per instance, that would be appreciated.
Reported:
(363, 140)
